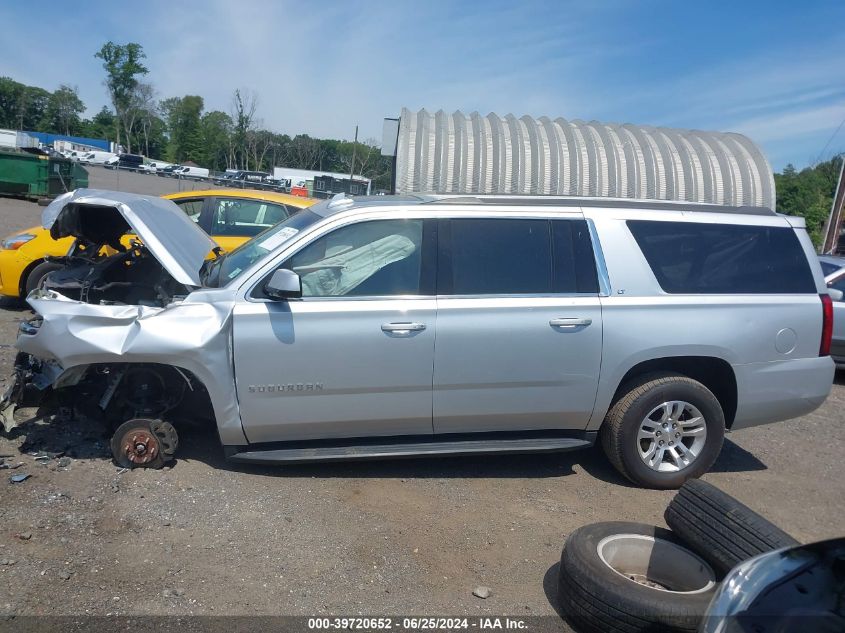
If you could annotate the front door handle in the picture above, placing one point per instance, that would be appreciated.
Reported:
(567, 322)
(402, 328)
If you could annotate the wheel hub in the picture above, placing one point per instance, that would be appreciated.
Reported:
(140, 446)
(671, 436)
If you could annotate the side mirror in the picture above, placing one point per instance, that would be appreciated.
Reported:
(835, 294)
(283, 284)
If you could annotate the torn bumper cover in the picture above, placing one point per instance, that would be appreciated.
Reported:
(32, 383)
(68, 336)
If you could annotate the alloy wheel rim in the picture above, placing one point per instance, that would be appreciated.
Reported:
(671, 436)
(656, 563)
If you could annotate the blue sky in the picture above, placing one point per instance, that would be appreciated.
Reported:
(772, 70)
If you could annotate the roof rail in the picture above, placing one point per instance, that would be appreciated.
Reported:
(577, 201)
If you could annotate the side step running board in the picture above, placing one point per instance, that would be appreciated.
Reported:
(413, 449)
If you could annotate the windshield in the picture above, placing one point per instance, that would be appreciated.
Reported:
(221, 271)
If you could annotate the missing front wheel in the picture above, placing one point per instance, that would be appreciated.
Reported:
(144, 443)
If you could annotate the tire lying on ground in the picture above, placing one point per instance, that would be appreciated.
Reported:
(628, 577)
(719, 528)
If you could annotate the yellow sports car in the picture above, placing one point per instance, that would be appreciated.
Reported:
(230, 216)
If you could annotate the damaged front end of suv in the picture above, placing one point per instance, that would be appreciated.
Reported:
(127, 334)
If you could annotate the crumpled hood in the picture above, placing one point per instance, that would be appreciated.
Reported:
(102, 216)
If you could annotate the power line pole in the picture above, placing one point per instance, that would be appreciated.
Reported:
(834, 221)
(354, 147)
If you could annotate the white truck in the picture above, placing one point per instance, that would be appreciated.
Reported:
(156, 166)
(195, 173)
(96, 157)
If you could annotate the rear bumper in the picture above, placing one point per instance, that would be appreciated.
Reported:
(780, 390)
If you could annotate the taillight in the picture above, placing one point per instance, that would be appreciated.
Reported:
(827, 324)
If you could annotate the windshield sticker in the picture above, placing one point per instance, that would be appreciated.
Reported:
(279, 238)
(234, 273)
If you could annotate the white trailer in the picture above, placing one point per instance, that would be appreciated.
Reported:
(15, 140)
(8, 138)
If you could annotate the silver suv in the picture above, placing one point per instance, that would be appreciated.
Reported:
(432, 325)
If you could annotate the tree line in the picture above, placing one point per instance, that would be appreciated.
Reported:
(179, 129)
(809, 193)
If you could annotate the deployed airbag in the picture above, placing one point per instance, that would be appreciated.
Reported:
(336, 276)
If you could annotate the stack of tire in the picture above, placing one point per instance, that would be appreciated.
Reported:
(629, 577)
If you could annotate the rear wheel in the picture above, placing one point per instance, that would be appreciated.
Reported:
(144, 443)
(664, 430)
(37, 275)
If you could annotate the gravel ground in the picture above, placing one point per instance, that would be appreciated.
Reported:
(81, 536)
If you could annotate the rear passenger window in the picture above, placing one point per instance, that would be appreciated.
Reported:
(696, 258)
(505, 256)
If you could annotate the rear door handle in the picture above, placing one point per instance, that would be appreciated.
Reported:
(570, 322)
(402, 328)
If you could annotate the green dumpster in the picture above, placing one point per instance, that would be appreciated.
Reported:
(35, 175)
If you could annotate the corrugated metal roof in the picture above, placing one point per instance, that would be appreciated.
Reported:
(458, 153)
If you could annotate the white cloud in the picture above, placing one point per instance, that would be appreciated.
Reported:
(322, 68)
(788, 125)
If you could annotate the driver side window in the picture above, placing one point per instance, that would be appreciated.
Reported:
(375, 258)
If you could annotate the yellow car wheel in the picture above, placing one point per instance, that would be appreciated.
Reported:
(37, 275)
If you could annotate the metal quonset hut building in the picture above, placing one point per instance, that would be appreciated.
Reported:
(458, 153)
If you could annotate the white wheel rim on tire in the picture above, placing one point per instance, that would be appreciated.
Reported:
(656, 563)
(671, 436)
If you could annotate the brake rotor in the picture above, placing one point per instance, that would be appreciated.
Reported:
(140, 446)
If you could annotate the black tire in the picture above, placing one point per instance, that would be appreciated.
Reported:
(595, 598)
(723, 531)
(158, 437)
(37, 274)
(626, 416)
